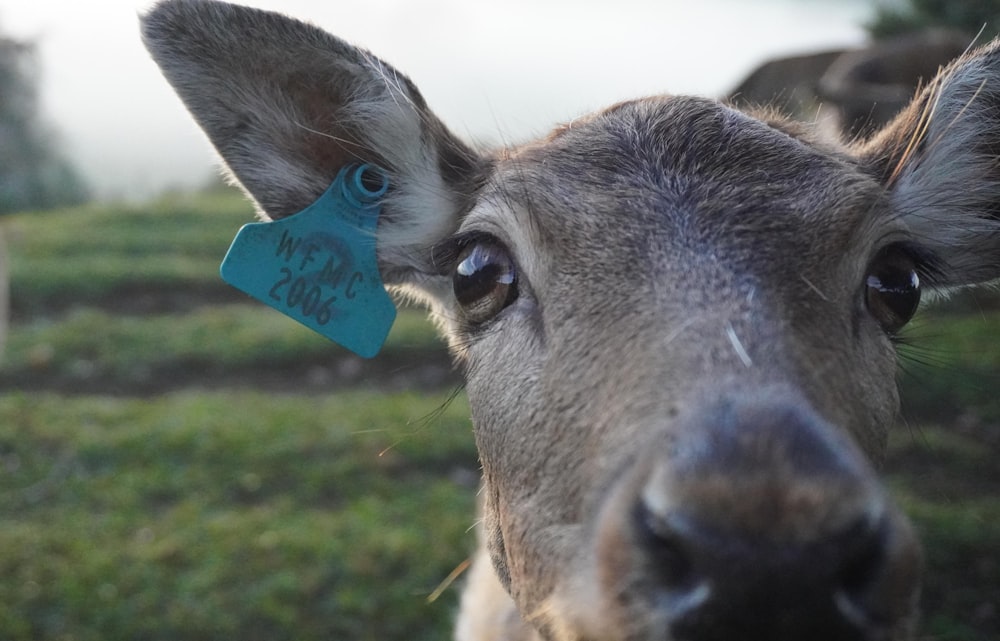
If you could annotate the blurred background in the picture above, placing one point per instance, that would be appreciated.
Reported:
(179, 463)
(492, 71)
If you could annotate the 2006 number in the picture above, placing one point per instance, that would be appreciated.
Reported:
(300, 294)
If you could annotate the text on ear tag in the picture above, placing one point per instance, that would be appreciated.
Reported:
(319, 266)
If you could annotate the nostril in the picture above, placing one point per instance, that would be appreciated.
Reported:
(864, 556)
(866, 574)
(680, 587)
(666, 547)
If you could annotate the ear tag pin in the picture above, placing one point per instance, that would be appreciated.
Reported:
(318, 266)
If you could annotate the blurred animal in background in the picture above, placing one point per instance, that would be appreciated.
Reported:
(853, 92)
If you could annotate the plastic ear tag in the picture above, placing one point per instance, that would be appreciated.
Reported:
(318, 266)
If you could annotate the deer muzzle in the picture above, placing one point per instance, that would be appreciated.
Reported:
(754, 520)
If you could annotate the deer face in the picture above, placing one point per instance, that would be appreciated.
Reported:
(669, 356)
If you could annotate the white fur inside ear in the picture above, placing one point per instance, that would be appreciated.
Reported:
(421, 209)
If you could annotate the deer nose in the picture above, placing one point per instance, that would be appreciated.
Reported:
(762, 522)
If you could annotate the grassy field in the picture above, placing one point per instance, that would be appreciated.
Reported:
(179, 463)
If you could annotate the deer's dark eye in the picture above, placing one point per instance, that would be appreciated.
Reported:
(485, 280)
(892, 288)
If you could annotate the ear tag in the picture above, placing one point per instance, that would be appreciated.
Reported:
(318, 266)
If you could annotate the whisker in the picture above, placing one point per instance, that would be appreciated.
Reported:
(738, 346)
(813, 287)
(448, 580)
(343, 141)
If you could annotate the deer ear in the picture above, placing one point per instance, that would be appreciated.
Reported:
(940, 162)
(288, 105)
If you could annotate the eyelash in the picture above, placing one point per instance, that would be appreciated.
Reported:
(444, 255)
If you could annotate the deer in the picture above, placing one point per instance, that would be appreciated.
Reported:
(677, 323)
(856, 91)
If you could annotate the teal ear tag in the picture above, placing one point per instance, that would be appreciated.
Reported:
(318, 266)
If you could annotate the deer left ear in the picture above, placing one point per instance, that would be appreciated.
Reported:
(940, 162)
(288, 106)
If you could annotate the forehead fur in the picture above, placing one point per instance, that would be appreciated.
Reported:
(692, 168)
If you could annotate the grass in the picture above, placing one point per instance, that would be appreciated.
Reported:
(948, 483)
(91, 347)
(95, 253)
(231, 515)
(953, 363)
(211, 505)
(177, 462)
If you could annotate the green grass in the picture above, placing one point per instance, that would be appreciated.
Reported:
(222, 340)
(172, 467)
(96, 252)
(238, 513)
(948, 483)
(953, 363)
(123, 298)
(231, 515)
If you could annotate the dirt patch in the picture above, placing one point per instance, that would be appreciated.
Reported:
(399, 370)
(129, 298)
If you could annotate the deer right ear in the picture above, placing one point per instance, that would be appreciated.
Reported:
(940, 163)
(288, 105)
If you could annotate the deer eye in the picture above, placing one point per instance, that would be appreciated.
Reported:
(892, 288)
(485, 280)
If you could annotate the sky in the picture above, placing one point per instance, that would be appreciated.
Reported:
(500, 70)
